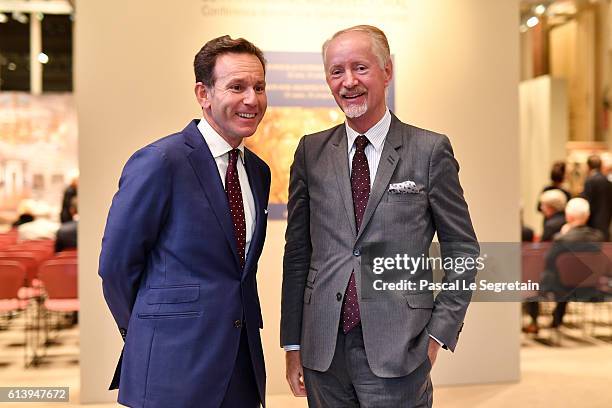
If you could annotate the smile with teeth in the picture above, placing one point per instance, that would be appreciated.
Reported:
(246, 115)
(353, 96)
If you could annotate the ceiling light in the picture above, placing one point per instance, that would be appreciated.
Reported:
(539, 9)
(3, 18)
(43, 58)
(532, 21)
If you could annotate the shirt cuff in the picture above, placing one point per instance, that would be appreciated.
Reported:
(438, 341)
(292, 347)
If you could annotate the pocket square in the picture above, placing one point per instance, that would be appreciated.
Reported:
(405, 187)
(266, 211)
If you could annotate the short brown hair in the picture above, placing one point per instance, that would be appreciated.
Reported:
(206, 58)
(594, 162)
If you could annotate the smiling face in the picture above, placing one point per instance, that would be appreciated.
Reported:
(237, 101)
(356, 79)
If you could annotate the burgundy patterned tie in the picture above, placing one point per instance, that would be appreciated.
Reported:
(236, 206)
(360, 184)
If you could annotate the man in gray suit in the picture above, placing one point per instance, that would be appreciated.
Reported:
(377, 180)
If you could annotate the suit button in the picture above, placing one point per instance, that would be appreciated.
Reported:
(338, 296)
(238, 324)
(356, 252)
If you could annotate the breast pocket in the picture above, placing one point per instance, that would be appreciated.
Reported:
(406, 198)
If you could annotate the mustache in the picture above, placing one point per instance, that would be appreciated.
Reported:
(352, 91)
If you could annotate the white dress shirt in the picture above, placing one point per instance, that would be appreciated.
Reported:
(220, 151)
(376, 135)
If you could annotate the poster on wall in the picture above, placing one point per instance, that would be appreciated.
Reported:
(299, 103)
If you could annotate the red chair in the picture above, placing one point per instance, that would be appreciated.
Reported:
(533, 262)
(583, 269)
(60, 280)
(606, 248)
(41, 253)
(12, 276)
(29, 260)
(10, 237)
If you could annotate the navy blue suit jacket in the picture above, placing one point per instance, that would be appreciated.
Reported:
(172, 278)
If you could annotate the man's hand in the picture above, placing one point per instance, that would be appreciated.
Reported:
(295, 373)
(432, 351)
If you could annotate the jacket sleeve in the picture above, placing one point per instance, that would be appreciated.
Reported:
(135, 219)
(457, 240)
(298, 250)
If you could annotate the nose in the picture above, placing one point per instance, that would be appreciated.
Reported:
(250, 97)
(349, 80)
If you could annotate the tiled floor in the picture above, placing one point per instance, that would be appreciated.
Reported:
(577, 374)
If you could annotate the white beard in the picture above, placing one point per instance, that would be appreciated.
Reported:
(355, 111)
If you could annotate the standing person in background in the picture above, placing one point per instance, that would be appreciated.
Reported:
(557, 177)
(370, 179)
(70, 192)
(598, 192)
(180, 250)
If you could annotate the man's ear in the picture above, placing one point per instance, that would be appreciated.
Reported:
(202, 94)
(388, 72)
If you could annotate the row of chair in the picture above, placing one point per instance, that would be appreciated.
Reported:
(576, 269)
(56, 280)
(36, 281)
(30, 254)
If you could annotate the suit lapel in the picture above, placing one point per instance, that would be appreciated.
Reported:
(386, 166)
(340, 160)
(257, 191)
(206, 170)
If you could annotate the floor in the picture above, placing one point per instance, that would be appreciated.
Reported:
(576, 374)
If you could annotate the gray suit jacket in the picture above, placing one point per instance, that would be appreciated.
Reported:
(323, 247)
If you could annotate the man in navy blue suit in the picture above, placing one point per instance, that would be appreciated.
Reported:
(181, 246)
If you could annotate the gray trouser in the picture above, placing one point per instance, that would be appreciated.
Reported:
(349, 382)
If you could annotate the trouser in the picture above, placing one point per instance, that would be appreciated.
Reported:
(349, 382)
(533, 308)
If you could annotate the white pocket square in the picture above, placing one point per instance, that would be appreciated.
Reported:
(405, 187)
(265, 211)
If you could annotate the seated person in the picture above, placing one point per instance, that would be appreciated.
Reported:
(553, 206)
(575, 236)
(23, 219)
(67, 233)
(40, 228)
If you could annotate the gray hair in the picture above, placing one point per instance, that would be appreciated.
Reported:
(554, 198)
(380, 45)
(578, 208)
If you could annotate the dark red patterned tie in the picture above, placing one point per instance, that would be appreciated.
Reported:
(360, 184)
(236, 206)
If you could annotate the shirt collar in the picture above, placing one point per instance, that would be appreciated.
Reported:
(376, 134)
(217, 145)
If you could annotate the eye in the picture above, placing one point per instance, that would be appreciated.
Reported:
(235, 87)
(335, 72)
(361, 68)
(260, 88)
